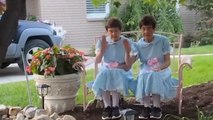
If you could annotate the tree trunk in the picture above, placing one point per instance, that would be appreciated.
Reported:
(15, 9)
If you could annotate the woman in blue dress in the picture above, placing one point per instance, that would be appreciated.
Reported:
(111, 80)
(154, 80)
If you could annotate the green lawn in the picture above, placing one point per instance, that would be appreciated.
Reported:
(198, 50)
(16, 93)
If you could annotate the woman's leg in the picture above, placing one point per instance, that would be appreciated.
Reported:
(156, 110)
(156, 100)
(107, 113)
(146, 101)
(147, 108)
(107, 99)
(115, 98)
(115, 105)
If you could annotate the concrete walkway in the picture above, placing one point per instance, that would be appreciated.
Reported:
(14, 74)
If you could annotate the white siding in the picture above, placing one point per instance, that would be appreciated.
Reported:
(71, 14)
(32, 7)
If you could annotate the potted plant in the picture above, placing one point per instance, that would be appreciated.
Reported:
(59, 68)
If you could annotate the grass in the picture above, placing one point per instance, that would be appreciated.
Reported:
(16, 93)
(198, 50)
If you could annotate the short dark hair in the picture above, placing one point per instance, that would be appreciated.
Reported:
(113, 23)
(148, 20)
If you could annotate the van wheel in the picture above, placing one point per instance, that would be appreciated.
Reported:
(30, 48)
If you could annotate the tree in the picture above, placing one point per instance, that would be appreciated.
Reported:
(15, 10)
(165, 13)
(204, 32)
(151, 2)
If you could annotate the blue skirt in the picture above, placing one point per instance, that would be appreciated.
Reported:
(113, 79)
(160, 83)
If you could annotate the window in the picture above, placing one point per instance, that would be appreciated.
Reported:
(96, 13)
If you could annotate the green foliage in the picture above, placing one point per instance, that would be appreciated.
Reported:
(55, 61)
(32, 18)
(151, 2)
(164, 11)
(92, 51)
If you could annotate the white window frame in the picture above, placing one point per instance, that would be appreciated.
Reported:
(98, 16)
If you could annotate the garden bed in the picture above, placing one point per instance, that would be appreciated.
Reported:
(199, 95)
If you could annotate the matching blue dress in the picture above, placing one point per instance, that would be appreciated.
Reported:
(112, 79)
(149, 82)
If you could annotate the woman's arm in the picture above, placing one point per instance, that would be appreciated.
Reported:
(128, 59)
(100, 53)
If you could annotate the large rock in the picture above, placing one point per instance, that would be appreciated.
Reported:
(43, 117)
(13, 111)
(40, 112)
(20, 116)
(68, 117)
(3, 110)
(30, 112)
(54, 116)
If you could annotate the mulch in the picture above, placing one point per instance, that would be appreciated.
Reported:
(198, 96)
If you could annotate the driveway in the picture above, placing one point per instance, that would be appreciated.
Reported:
(13, 74)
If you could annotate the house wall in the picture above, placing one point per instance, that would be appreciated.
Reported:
(189, 18)
(71, 15)
(33, 7)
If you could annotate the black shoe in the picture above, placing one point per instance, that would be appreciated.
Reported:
(156, 113)
(145, 113)
(116, 113)
(107, 113)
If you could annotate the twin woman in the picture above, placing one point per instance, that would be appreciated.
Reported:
(154, 82)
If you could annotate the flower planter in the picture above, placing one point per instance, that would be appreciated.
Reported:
(61, 93)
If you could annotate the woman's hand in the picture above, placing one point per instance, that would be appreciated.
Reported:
(165, 64)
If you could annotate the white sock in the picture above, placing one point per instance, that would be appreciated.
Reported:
(146, 101)
(156, 100)
(115, 98)
(106, 99)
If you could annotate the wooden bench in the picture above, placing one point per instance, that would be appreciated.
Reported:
(182, 62)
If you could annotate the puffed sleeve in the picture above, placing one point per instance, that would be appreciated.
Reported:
(166, 46)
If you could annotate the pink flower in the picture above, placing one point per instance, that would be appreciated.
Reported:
(48, 57)
(28, 69)
(51, 69)
(34, 58)
(113, 65)
(152, 61)
(71, 55)
(85, 59)
(81, 53)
